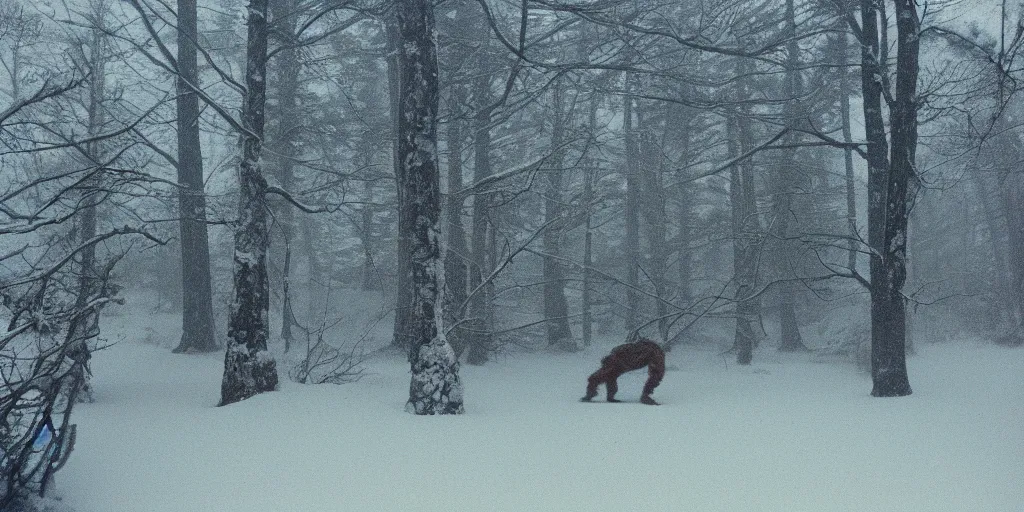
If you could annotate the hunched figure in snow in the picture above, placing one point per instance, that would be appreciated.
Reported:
(626, 358)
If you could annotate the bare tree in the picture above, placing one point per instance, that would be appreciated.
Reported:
(556, 308)
(435, 387)
(249, 369)
(197, 320)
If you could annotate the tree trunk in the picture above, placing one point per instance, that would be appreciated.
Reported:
(1005, 304)
(632, 240)
(403, 336)
(479, 338)
(782, 202)
(1013, 206)
(89, 278)
(315, 270)
(686, 219)
(586, 301)
(889, 192)
(435, 387)
(197, 321)
(366, 229)
(743, 248)
(455, 258)
(249, 369)
(590, 169)
(556, 307)
(844, 112)
(288, 67)
(655, 220)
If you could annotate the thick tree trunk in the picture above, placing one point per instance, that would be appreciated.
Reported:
(249, 369)
(435, 387)
(890, 190)
(403, 336)
(556, 307)
(197, 321)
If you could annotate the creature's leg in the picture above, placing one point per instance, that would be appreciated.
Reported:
(595, 379)
(613, 386)
(655, 372)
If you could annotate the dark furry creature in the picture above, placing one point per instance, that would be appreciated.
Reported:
(626, 358)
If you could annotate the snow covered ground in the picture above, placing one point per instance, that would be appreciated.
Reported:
(785, 434)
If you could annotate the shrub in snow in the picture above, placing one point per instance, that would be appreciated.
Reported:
(49, 321)
(323, 363)
(42, 374)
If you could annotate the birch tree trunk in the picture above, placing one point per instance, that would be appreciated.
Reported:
(249, 369)
(435, 387)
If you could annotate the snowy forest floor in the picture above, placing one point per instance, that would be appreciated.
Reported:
(785, 434)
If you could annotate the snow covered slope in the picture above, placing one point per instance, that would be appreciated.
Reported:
(782, 435)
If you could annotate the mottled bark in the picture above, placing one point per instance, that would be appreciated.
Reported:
(249, 369)
(556, 307)
(435, 387)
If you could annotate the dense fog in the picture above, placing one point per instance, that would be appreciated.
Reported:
(770, 208)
